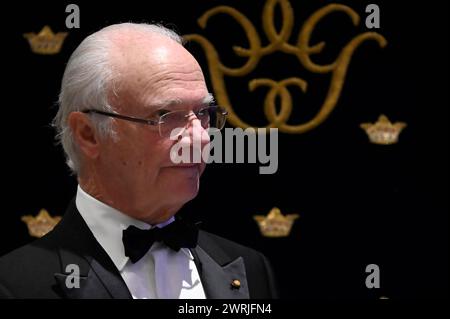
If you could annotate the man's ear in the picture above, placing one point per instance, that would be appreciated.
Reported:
(84, 134)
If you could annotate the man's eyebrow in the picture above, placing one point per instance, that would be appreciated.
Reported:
(207, 100)
(163, 104)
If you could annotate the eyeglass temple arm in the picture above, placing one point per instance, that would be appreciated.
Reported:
(123, 117)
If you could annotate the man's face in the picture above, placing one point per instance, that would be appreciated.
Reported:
(138, 165)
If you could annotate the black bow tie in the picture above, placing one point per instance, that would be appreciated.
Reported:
(178, 234)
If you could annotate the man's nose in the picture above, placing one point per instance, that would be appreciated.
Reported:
(196, 131)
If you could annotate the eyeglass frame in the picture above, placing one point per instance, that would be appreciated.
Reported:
(153, 122)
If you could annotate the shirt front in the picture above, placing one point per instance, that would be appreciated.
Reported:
(162, 273)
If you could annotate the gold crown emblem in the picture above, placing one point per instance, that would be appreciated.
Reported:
(41, 224)
(45, 42)
(383, 131)
(275, 224)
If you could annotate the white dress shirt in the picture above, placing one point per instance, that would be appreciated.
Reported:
(162, 272)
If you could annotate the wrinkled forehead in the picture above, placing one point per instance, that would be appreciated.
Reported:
(164, 76)
(170, 91)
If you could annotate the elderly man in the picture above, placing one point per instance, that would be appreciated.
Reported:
(127, 91)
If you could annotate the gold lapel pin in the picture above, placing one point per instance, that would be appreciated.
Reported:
(236, 284)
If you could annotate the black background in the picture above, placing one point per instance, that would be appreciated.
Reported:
(359, 203)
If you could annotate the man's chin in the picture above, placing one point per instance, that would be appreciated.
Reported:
(190, 189)
(183, 183)
(186, 180)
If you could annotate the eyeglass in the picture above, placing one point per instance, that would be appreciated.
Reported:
(211, 117)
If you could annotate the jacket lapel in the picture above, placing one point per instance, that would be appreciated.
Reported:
(82, 283)
(97, 276)
(219, 273)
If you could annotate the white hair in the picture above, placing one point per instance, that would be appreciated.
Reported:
(88, 79)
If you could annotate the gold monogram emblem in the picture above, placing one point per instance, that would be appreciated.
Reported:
(45, 42)
(278, 41)
(41, 224)
(383, 132)
(275, 224)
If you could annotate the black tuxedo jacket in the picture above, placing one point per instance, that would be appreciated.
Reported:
(38, 270)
